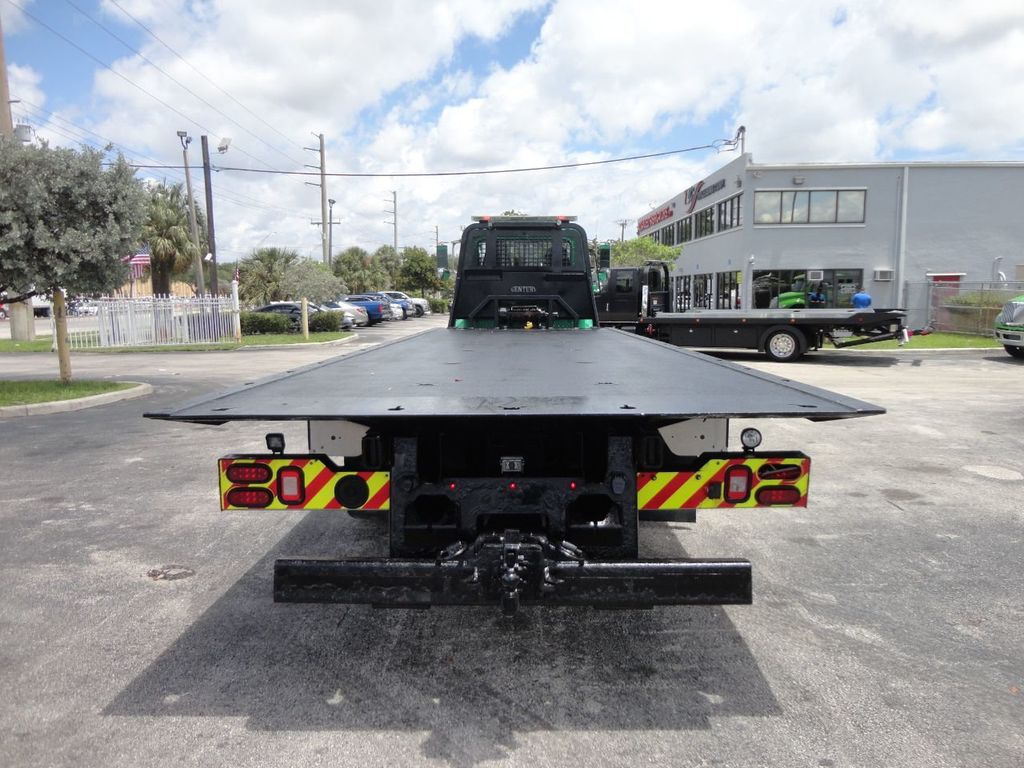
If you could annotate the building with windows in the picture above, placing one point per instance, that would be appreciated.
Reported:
(808, 235)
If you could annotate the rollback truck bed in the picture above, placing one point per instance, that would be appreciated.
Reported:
(638, 298)
(516, 455)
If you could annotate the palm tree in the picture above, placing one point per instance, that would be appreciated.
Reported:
(167, 232)
(262, 272)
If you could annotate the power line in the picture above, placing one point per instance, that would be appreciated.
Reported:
(132, 83)
(717, 144)
(153, 34)
(177, 82)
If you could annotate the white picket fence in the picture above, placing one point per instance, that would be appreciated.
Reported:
(158, 321)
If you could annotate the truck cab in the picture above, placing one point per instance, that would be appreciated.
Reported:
(631, 294)
(1009, 327)
(523, 272)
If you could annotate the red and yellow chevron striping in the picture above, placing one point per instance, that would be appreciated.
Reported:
(707, 487)
(312, 484)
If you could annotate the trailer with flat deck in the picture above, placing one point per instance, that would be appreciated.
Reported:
(514, 459)
(639, 298)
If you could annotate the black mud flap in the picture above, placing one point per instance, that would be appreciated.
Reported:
(510, 570)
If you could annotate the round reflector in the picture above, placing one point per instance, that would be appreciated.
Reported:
(352, 492)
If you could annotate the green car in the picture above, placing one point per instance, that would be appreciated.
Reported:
(1010, 327)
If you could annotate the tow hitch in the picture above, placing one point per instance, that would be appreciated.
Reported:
(511, 569)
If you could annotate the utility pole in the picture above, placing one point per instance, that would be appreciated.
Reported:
(394, 218)
(324, 219)
(209, 214)
(200, 283)
(437, 238)
(622, 228)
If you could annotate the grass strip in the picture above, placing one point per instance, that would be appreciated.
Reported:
(261, 340)
(22, 392)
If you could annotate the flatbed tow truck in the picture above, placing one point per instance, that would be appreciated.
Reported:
(520, 448)
(638, 298)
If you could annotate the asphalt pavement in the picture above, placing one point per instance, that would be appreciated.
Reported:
(137, 625)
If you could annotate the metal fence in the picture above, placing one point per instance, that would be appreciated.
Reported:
(157, 321)
(956, 307)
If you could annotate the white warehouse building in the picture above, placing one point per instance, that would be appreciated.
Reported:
(772, 234)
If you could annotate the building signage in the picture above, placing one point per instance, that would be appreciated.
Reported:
(654, 218)
(698, 192)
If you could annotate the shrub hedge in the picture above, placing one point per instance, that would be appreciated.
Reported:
(325, 321)
(438, 305)
(263, 322)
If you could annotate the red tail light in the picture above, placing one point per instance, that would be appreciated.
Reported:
(782, 494)
(249, 473)
(779, 472)
(250, 497)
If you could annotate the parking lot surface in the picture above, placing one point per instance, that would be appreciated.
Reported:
(137, 625)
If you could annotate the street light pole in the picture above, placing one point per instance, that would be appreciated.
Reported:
(200, 283)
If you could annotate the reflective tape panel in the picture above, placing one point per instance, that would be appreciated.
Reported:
(706, 488)
(312, 479)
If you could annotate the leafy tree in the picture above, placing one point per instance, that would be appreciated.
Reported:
(419, 271)
(513, 212)
(313, 280)
(262, 274)
(167, 231)
(633, 253)
(65, 223)
(359, 270)
(390, 263)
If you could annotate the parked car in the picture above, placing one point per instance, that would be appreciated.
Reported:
(291, 309)
(400, 310)
(375, 307)
(360, 317)
(3, 311)
(420, 307)
(1009, 327)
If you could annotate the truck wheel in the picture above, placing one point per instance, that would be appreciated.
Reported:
(783, 346)
(1012, 351)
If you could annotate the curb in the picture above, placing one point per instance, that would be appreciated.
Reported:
(75, 404)
(335, 343)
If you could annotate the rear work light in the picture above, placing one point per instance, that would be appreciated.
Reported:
(291, 485)
(250, 497)
(249, 473)
(778, 495)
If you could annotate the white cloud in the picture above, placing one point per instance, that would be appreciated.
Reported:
(812, 81)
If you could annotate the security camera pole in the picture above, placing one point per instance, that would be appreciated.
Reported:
(200, 283)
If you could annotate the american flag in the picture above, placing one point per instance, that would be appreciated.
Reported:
(138, 262)
(237, 274)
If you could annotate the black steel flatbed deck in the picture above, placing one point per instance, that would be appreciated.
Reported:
(450, 373)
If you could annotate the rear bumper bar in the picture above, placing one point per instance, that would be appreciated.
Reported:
(422, 583)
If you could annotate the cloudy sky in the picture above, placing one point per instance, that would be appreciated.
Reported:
(400, 86)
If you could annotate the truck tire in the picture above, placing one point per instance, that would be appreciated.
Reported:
(1013, 351)
(419, 310)
(783, 346)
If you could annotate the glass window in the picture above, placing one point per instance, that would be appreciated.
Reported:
(823, 207)
(531, 252)
(766, 207)
(704, 222)
(851, 206)
(623, 282)
(794, 207)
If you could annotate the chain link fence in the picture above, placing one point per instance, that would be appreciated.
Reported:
(957, 307)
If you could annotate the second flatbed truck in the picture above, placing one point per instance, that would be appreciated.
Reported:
(516, 454)
(638, 298)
